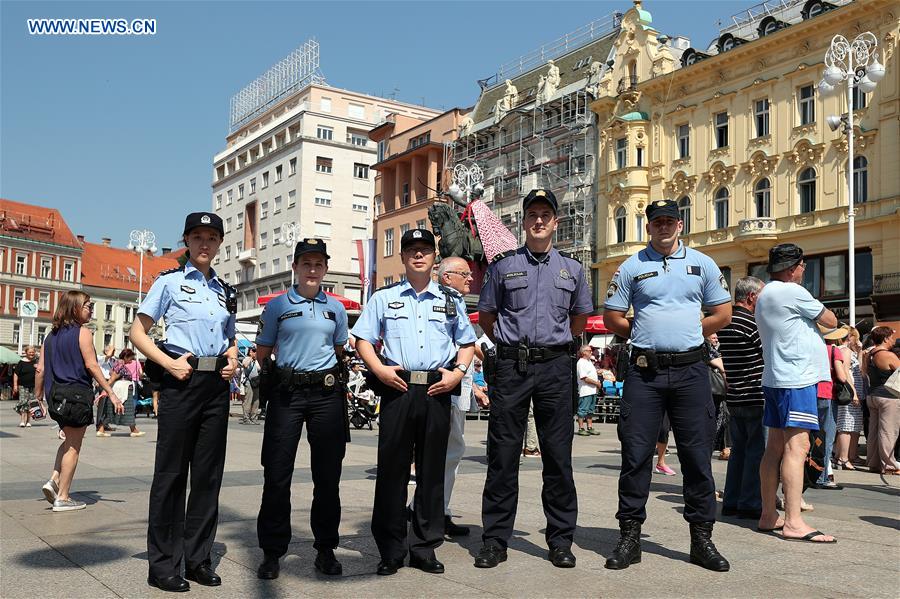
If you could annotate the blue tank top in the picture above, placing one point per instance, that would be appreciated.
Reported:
(64, 363)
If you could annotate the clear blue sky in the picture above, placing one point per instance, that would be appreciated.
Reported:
(118, 132)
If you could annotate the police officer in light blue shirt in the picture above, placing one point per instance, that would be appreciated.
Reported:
(421, 325)
(668, 285)
(193, 368)
(309, 329)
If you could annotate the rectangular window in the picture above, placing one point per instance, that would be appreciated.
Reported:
(263, 210)
(356, 111)
(263, 269)
(404, 200)
(230, 193)
(16, 333)
(292, 198)
(18, 296)
(325, 104)
(69, 271)
(360, 171)
(252, 185)
(807, 106)
(388, 242)
(357, 139)
(639, 227)
(265, 179)
(278, 173)
(227, 252)
(292, 167)
(323, 198)
(323, 165)
(761, 114)
(382, 150)
(835, 275)
(360, 208)
(276, 265)
(241, 191)
(228, 224)
(21, 264)
(322, 230)
(621, 153)
(240, 220)
(218, 201)
(684, 141)
(276, 205)
(263, 240)
(722, 130)
(420, 224)
(860, 98)
(44, 300)
(403, 229)
(276, 235)
(359, 233)
(640, 160)
(239, 247)
(323, 132)
(388, 280)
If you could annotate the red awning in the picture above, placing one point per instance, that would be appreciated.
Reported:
(348, 303)
(595, 325)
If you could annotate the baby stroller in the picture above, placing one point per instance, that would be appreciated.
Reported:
(362, 404)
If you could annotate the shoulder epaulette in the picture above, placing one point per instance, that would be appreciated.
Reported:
(388, 286)
(449, 291)
(171, 270)
(505, 254)
(567, 255)
(229, 288)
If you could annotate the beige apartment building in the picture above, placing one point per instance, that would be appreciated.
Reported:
(410, 175)
(300, 167)
(736, 133)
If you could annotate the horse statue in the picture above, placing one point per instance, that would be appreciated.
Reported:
(456, 239)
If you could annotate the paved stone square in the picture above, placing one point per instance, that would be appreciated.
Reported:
(101, 551)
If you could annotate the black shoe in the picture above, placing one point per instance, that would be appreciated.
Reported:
(490, 556)
(326, 563)
(270, 568)
(628, 550)
(454, 530)
(204, 575)
(729, 511)
(562, 557)
(388, 567)
(703, 552)
(170, 584)
(828, 486)
(426, 564)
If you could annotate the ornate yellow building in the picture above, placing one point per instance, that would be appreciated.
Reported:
(736, 133)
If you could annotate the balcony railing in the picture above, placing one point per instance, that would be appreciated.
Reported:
(757, 226)
(247, 256)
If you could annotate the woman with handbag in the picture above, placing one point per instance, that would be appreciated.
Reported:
(850, 416)
(125, 376)
(64, 373)
(883, 401)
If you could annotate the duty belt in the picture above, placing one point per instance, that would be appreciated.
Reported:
(327, 378)
(532, 354)
(203, 363)
(646, 358)
(420, 377)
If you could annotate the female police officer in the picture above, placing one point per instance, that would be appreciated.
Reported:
(198, 357)
(310, 329)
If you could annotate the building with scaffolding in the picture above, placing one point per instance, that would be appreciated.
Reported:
(531, 128)
(735, 131)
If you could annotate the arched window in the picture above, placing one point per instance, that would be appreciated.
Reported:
(806, 187)
(721, 208)
(860, 180)
(632, 73)
(684, 212)
(762, 194)
(620, 224)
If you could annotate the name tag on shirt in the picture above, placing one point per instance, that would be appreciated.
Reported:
(646, 275)
(329, 315)
(395, 305)
(188, 289)
(287, 315)
(514, 275)
(693, 270)
(439, 309)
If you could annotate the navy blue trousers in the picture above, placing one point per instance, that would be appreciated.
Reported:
(684, 393)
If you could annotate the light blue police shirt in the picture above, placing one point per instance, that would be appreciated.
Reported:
(416, 331)
(305, 331)
(193, 307)
(667, 294)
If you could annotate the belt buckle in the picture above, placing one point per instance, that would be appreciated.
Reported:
(418, 377)
(329, 380)
(207, 363)
(537, 354)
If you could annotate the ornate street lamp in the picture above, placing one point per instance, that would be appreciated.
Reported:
(290, 233)
(140, 241)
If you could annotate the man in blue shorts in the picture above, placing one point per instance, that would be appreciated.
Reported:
(786, 315)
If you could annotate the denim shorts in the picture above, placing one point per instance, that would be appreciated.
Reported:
(586, 405)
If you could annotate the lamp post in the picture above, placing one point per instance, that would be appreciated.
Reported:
(856, 63)
(290, 233)
(140, 241)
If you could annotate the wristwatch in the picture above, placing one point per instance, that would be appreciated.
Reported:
(463, 367)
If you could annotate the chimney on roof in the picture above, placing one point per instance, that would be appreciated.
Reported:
(105, 241)
(80, 238)
(166, 250)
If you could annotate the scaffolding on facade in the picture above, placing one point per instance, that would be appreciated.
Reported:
(294, 72)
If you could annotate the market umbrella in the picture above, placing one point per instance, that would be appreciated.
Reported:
(8, 356)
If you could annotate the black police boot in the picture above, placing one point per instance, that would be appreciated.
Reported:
(327, 563)
(562, 557)
(203, 574)
(170, 584)
(628, 550)
(270, 568)
(703, 552)
(490, 556)
(454, 530)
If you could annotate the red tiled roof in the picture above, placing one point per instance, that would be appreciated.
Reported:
(35, 222)
(115, 268)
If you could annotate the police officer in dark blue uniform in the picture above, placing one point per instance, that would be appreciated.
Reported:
(668, 284)
(309, 328)
(533, 301)
(428, 346)
(193, 367)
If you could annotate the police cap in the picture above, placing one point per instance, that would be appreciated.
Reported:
(310, 245)
(783, 256)
(416, 235)
(203, 219)
(544, 195)
(660, 208)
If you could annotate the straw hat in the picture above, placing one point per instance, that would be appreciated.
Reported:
(835, 334)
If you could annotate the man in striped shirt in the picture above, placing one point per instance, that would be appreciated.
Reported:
(742, 354)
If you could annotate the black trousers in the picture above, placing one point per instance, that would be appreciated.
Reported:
(322, 409)
(410, 420)
(193, 426)
(549, 385)
(684, 393)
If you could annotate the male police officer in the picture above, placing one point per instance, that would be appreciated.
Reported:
(421, 325)
(538, 298)
(667, 283)
(310, 329)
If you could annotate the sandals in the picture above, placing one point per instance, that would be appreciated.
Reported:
(844, 465)
(809, 538)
